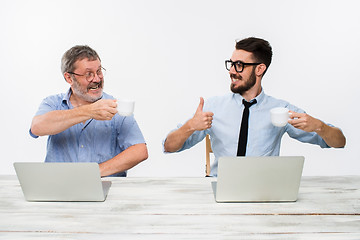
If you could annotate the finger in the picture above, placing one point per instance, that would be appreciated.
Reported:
(111, 103)
(296, 121)
(113, 111)
(111, 115)
(297, 125)
(201, 105)
(210, 114)
(293, 114)
(301, 126)
(115, 103)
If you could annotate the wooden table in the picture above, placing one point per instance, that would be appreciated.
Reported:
(184, 208)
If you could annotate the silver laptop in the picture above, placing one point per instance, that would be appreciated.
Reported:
(258, 179)
(61, 181)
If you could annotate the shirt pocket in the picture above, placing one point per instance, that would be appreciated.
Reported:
(104, 143)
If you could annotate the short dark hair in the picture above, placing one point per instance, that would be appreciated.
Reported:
(76, 53)
(260, 49)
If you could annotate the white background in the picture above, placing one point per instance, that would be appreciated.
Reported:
(166, 54)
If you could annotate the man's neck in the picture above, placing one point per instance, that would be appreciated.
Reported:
(252, 93)
(76, 101)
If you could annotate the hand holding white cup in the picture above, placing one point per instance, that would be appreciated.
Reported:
(279, 116)
(125, 107)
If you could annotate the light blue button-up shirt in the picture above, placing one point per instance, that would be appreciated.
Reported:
(94, 141)
(263, 138)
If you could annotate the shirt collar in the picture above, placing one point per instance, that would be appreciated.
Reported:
(259, 98)
(66, 98)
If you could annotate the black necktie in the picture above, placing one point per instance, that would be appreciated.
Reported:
(244, 128)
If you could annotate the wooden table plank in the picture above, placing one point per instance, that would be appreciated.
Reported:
(184, 208)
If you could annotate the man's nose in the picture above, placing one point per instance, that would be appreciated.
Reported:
(96, 78)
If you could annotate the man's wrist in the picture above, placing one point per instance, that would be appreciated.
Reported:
(189, 126)
(320, 127)
(85, 111)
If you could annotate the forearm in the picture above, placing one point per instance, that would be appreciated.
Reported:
(57, 121)
(331, 135)
(200, 121)
(176, 139)
(124, 160)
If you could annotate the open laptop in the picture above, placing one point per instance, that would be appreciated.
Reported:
(258, 179)
(61, 181)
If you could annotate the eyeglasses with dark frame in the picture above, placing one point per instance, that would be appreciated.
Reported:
(239, 65)
(89, 76)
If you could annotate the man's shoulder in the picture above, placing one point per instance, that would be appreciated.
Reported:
(56, 97)
(277, 102)
(221, 98)
(218, 102)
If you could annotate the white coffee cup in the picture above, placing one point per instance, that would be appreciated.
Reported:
(279, 116)
(125, 107)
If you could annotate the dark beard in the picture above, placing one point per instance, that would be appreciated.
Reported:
(248, 84)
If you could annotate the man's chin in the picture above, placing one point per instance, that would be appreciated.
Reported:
(235, 89)
(97, 98)
(95, 94)
(92, 98)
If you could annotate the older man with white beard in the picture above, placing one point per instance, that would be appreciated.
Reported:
(83, 124)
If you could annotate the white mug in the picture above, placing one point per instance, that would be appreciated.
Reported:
(279, 116)
(125, 107)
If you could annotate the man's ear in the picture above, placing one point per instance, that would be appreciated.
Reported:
(68, 78)
(260, 69)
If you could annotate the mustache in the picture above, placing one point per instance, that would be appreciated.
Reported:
(235, 76)
(94, 85)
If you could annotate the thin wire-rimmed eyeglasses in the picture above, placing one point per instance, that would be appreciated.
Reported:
(239, 65)
(89, 76)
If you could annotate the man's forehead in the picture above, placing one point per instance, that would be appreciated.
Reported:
(87, 63)
(241, 55)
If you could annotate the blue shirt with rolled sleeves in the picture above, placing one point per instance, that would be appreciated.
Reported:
(92, 141)
(263, 138)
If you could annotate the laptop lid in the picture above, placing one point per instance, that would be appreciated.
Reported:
(61, 181)
(258, 179)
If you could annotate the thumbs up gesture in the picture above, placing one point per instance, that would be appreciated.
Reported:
(201, 120)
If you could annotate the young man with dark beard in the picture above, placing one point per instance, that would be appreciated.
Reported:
(221, 117)
(83, 124)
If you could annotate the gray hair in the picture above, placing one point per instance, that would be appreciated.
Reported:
(74, 54)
